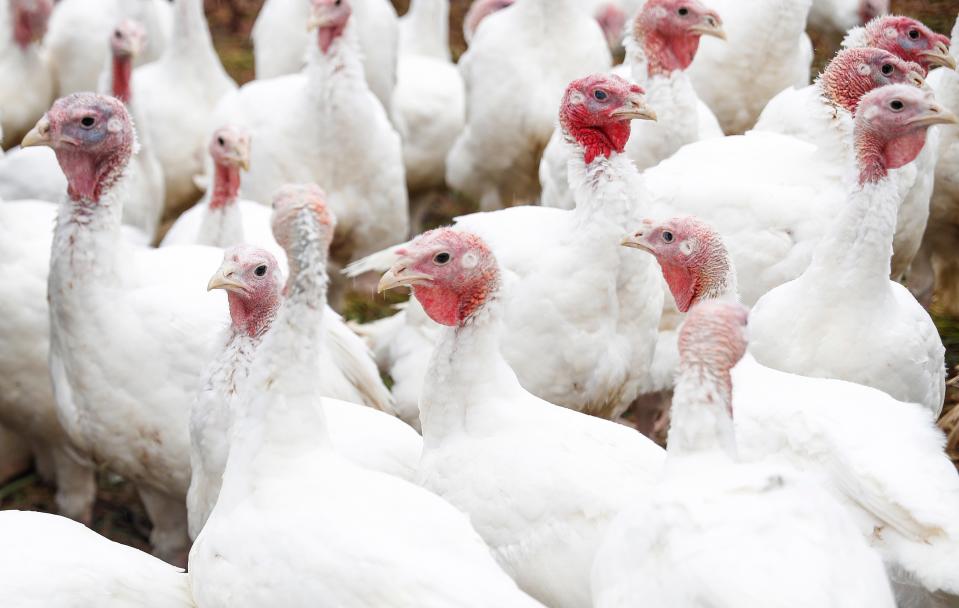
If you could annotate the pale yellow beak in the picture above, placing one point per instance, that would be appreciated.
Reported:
(940, 55)
(317, 21)
(635, 108)
(399, 276)
(711, 26)
(917, 79)
(243, 155)
(636, 241)
(934, 115)
(226, 278)
(39, 135)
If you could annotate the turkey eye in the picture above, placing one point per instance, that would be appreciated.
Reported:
(87, 121)
(441, 258)
(600, 95)
(914, 34)
(220, 141)
(887, 69)
(260, 270)
(683, 11)
(896, 105)
(117, 34)
(667, 236)
(337, 3)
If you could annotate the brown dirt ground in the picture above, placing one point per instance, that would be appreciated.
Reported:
(119, 514)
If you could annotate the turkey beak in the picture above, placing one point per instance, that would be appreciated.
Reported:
(916, 79)
(243, 155)
(935, 114)
(399, 276)
(636, 240)
(939, 55)
(712, 25)
(225, 278)
(319, 17)
(39, 135)
(635, 108)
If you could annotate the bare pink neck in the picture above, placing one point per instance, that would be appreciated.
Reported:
(22, 32)
(665, 55)
(226, 185)
(254, 316)
(878, 154)
(122, 72)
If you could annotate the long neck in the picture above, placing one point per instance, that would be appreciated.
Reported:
(342, 61)
(701, 419)
(855, 253)
(222, 224)
(466, 376)
(122, 69)
(425, 29)
(191, 39)
(226, 185)
(606, 187)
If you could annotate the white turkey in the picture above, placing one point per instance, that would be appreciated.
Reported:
(903, 499)
(905, 37)
(543, 529)
(324, 126)
(429, 102)
(510, 103)
(843, 317)
(59, 563)
(767, 50)
(611, 312)
(842, 15)
(254, 281)
(660, 46)
(176, 95)
(822, 114)
(26, 79)
(281, 44)
(294, 521)
(478, 11)
(719, 532)
(79, 27)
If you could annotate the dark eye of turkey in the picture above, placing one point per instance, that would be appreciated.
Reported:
(441, 258)
(914, 34)
(117, 34)
(260, 270)
(667, 236)
(600, 95)
(887, 69)
(683, 11)
(87, 121)
(896, 105)
(220, 141)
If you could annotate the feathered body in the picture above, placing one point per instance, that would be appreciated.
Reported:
(26, 78)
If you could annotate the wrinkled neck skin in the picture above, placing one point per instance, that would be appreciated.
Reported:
(222, 224)
(466, 376)
(278, 419)
(425, 29)
(250, 320)
(122, 70)
(701, 416)
(714, 279)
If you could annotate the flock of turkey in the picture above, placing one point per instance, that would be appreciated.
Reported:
(697, 243)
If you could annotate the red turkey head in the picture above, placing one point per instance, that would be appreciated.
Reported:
(299, 209)
(909, 39)
(329, 17)
(452, 273)
(669, 31)
(253, 281)
(29, 19)
(854, 72)
(230, 149)
(596, 112)
(126, 42)
(692, 256)
(891, 126)
(93, 138)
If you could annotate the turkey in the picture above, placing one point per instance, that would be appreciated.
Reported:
(843, 15)
(479, 10)
(281, 44)
(543, 529)
(26, 79)
(510, 103)
(935, 267)
(429, 102)
(125, 370)
(661, 44)
(79, 27)
(865, 328)
(33, 173)
(611, 313)
(325, 126)
(905, 37)
(253, 282)
(27, 406)
(188, 75)
(59, 563)
(672, 547)
(822, 114)
(903, 499)
(767, 51)
(294, 521)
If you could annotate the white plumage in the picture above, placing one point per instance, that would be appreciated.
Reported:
(59, 563)
(841, 15)
(26, 78)
(515, 71)
(281, 42)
